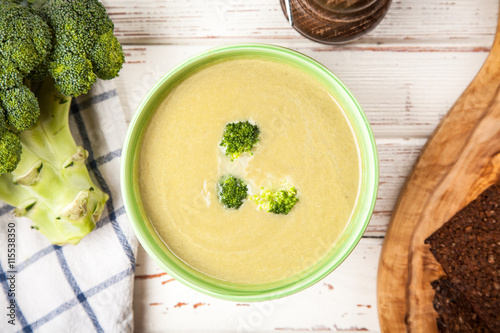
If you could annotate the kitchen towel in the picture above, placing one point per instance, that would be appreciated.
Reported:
(87, 287)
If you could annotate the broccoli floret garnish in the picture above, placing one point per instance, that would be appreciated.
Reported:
(239, 138)
(66, 45)
(277, 202)
(232, 192)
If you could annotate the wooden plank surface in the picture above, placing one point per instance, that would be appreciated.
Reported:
(165, 305)
(406, 74)
(409, 22)
(459, 161)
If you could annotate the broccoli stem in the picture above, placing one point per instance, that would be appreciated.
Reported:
(51, 184)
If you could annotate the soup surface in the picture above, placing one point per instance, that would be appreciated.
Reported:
(305, 141)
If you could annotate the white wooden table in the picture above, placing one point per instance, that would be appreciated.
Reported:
(406, 74)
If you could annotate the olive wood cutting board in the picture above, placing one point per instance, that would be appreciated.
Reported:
(459, 161)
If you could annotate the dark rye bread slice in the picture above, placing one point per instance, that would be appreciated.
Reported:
(468, 249)
(455, 311)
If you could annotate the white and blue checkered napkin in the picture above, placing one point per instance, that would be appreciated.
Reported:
(87, 287)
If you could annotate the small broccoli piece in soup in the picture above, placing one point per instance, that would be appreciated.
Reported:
(239, 138)
(277, 202)
(232, 192)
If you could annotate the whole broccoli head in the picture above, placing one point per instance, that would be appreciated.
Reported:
(84, 48)
(65, 44)
(232, 192)
(277, 202)
(239, 138)
(25, 42)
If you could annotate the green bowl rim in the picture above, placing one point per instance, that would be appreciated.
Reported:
(368, 184)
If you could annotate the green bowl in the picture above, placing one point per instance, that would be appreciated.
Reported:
(155, 247)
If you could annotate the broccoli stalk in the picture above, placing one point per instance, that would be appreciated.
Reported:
(51, 184)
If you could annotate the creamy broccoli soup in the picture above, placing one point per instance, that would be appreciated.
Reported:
(304, 141)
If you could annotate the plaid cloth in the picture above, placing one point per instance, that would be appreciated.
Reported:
(87, 287)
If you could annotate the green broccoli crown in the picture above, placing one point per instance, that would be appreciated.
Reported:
(10, 75)
(85, 47)
(239, 138)
(21, 107)
(10, 151)
(25, 41)
(277, 202)
(3, 122)
(10, 147)
(232, 192)
(40, 72)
